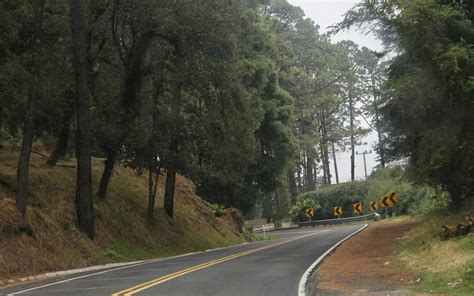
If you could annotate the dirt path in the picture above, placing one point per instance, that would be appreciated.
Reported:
(366, 265)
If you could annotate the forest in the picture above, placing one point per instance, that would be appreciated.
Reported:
(246, 98)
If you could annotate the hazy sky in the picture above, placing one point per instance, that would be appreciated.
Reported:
(326, 13)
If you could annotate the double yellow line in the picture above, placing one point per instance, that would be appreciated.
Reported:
(136, 289)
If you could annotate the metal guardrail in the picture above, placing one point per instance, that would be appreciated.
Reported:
(263, 228)
(338, 221)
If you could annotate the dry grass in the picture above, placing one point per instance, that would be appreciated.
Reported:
(47, 238)
(441, 266)
(444, 257)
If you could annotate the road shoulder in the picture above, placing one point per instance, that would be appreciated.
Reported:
(366, 264)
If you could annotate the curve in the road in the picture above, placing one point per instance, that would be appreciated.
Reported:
(136, 289)
(259, 268)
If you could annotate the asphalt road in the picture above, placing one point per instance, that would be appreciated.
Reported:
(272, 267)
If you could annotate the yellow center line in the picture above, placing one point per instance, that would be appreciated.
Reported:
(136, 289)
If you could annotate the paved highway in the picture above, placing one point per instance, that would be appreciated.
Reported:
(272, 267)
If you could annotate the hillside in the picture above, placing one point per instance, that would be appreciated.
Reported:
(47, 238)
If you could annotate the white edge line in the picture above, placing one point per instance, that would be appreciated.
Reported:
(128, 265)
(131, 264)
(76, 278)
(307, 273)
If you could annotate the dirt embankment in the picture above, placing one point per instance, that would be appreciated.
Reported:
(47, 239)
(366, 264)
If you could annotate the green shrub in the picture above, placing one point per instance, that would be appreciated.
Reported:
(218, 210)
(413, 198)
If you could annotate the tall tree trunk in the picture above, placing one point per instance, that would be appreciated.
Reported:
(60, 149)
(131, 85)
(315, 173)
(109, 165)
(327, 163)
(148, 120)
(377, 123)
(309, 171)
(169, 191)
(336, 172)
(84, 203)
(324, 147)
(278, 204)
(172, 168)
(325, 177)
(175, 136)
(292, 186)
(2, 127)
(351, 113)
(33, 100)
(152, 188)
(298, 174)
(379, 135)
(267, 208)
(305, 172)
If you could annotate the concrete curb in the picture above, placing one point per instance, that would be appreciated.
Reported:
(307, 273)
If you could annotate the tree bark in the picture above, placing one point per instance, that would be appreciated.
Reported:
(169, 191)
(152, 188)
(33, 100)
(336, 172)
(298, 175)
(2, 127)
(327, 163)
(131, 86)
(377, 123)
(109, 165)
(325, 146)
(292, 186)
(175, 135)
(267, 209)
(351, 115)
(305, 172)
(60, 149)
(309, 171)
(325, 177)
(84, 203)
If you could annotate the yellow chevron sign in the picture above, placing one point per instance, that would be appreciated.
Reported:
(358, 208)
(338, 211)
(385, 201)
(309, 212)
(393, 197)
(374, 206)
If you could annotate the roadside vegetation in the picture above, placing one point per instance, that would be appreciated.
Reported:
(439, 266)
(111, 110)
(245, 98)
(427, 110)
(413, 198)
(427, 122)
(47, 239)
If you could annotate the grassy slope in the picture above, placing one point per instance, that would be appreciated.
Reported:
(442, 266)
(48, 240)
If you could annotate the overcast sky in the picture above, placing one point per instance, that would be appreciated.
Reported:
(326, 13)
